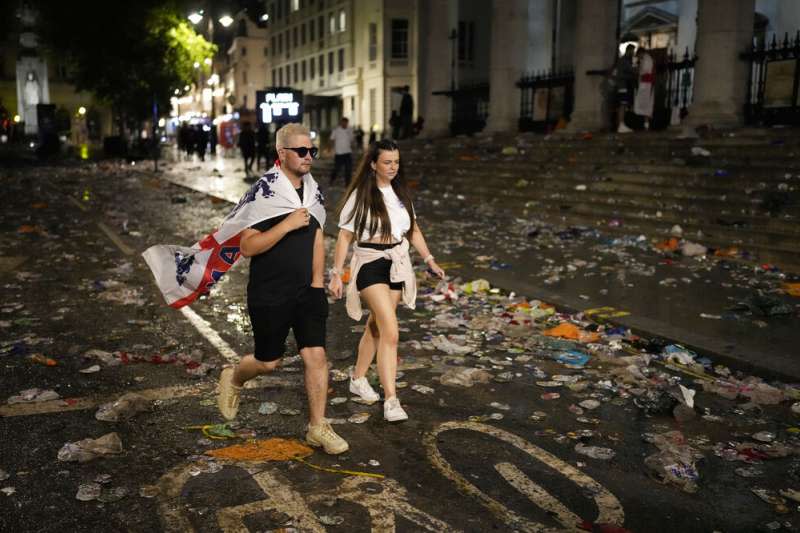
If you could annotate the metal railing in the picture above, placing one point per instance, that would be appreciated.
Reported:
(469, 108)
(545, 98)
(679, 73)
(772, 90)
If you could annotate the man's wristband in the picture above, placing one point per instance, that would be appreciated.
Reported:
(428, 259)
(334, 272)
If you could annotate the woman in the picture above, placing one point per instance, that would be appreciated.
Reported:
(378, 210)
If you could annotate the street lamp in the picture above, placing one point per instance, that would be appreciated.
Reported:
(196, 17)
(225, 20)
(81, 110)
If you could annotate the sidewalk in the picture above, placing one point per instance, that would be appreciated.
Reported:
(681, 299)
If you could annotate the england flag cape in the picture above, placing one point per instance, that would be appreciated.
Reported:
(184, 273)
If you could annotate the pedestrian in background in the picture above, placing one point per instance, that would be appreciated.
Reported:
(342, 137)
(247, 144)
(262, 147)
(377, 217)
(406, 113)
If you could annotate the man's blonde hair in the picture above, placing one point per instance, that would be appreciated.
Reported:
(288, 131)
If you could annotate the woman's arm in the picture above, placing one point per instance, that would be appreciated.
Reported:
(339, 255)
(418, 242)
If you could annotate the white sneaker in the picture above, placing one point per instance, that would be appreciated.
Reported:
(624, 129)
(361, 387)
(392, 411)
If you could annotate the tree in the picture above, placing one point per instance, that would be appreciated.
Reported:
(131, 54)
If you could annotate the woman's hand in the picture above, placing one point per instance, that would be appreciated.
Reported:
(335, 286)
(436, 269)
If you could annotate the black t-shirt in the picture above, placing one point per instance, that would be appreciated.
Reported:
(283, 272)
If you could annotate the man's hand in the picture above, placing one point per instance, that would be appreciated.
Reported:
(299, 218)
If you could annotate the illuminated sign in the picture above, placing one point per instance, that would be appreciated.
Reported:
(279, 105)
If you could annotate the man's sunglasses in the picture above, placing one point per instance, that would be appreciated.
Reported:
(302, 151)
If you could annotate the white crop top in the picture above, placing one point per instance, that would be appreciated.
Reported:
(398, 216)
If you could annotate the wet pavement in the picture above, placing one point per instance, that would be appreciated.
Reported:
(570, 422)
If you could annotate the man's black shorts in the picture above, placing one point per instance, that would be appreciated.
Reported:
(306, 316)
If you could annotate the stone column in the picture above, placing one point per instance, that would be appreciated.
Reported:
(687, 27)
(435, 68)
(508, 59)
(595, 49)
(724, 30)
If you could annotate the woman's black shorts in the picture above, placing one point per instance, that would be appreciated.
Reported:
(306, 315)
(376, 271)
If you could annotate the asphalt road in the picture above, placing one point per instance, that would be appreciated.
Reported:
(74, 282)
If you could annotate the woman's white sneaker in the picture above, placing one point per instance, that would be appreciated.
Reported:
(361, 387)
(392, 411)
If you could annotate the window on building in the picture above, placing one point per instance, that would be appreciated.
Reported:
(244, 101)
(303, 70)
(241, 28)
(303, 34)
(295, 72)
(266, 51)
(294, 37)
(274, 78)
(272, 45)
(244, 77)
(332, 24)
(399, 38)
(330, 62)
(466, 41)
(311, 70)
(311, 30)
(320, 27)
(342, 20)
(288, 75)
(295, 5)
(321, 65)
(280, 43)
(244, 51)
(279, 10)
(280, 77)
(341, 59)
(373, 41)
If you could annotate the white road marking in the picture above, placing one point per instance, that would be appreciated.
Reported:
(127, 250)
(610, 510)
(211, 336)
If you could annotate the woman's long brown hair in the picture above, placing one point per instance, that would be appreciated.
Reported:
(369, 199)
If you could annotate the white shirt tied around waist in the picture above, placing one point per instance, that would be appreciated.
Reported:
(398, 215)
(401, 271)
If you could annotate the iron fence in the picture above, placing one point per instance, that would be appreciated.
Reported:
(545, 98)
(469, 108)
(772, 90)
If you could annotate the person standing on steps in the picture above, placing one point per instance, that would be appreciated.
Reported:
(286, 290)
(377, 217)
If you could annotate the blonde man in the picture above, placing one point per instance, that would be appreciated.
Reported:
(285, 290)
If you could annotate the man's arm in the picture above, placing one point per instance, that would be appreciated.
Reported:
(318, 261)
(254, 242)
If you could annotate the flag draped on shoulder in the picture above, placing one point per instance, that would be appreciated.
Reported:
(184, 273)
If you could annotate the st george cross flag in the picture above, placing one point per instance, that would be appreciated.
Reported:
(184, 273)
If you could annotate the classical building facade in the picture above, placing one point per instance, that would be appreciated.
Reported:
(501, 65)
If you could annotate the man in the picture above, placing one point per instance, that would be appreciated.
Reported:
(342, 138)
(262, 147)
(406, 113)
(247, 144)
(285, 289)
(645, 92)
(625, 82)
